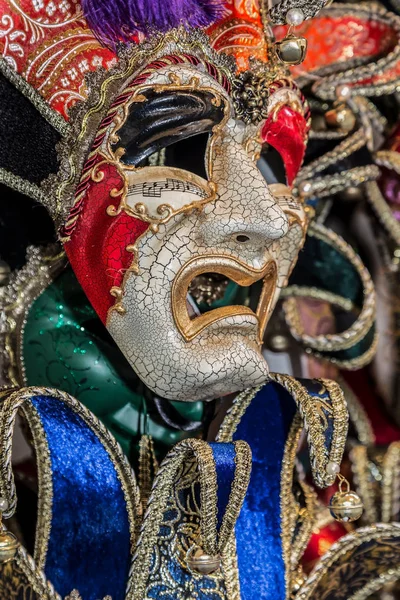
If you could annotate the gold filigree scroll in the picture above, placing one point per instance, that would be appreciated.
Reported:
(164, 211)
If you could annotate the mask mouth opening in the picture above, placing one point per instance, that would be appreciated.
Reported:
(209, 288)
(208, 291)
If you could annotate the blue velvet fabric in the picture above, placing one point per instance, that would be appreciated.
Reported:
(224, 457)
(265, 427)
(89, 545)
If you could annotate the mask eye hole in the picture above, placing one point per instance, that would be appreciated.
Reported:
(170, 128)
(242, 239)
(271, 165)
(188, 154)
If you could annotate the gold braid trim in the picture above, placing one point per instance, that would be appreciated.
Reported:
(336, 341)
(19, 184)
(345, 148)
(238, 491)
(231, 570)
(311, 409)
(289, 514)
(377, 480)
(8, 413)
(307, 525)
(325, 186)
(351, 364)
(234, 415)
(148, 467)
(16, 299)
(364, 483)
(386, 570)
(212, 543)
(340, 422)
(389, 159)
(390, 483)
(391, 576)
(382, 211)
(45, 484)
(358, 415)
(36, 578)
(303, 291)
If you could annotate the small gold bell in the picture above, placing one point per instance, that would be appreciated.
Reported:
(291, 50)
(345, 505)
(341, 117)
(8, 546)
(202, 563)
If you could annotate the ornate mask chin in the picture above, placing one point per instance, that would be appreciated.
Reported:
(175, 186)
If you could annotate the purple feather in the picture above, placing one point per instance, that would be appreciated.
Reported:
(120, 20)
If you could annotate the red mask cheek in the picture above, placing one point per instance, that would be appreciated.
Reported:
(98, 242)
(286, 131)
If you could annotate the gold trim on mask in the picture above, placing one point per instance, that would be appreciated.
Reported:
(175, 85)
(165, 211)
(237, 271)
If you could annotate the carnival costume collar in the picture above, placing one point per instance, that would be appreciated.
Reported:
(195, 502)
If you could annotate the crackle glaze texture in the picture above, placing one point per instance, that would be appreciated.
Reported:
(225, 356)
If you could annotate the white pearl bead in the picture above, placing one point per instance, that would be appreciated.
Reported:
(294, 16)
(304, 188)
(3, 504)
(343, 92)
(332, 468)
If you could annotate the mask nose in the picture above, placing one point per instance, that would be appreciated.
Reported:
(246, 214)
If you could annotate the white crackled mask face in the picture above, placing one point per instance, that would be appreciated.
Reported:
(200, 233)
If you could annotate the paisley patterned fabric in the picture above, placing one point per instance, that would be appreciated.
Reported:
(49, 44)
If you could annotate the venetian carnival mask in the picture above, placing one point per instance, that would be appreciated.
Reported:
(178, 173)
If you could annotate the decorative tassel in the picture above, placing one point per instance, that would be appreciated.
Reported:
(121, 20)
(148, 467)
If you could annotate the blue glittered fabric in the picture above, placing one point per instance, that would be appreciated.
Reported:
(89, 544)
(265, 427)
(224, 457)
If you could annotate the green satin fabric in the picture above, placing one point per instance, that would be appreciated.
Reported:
(65, 346)
(322, 266)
